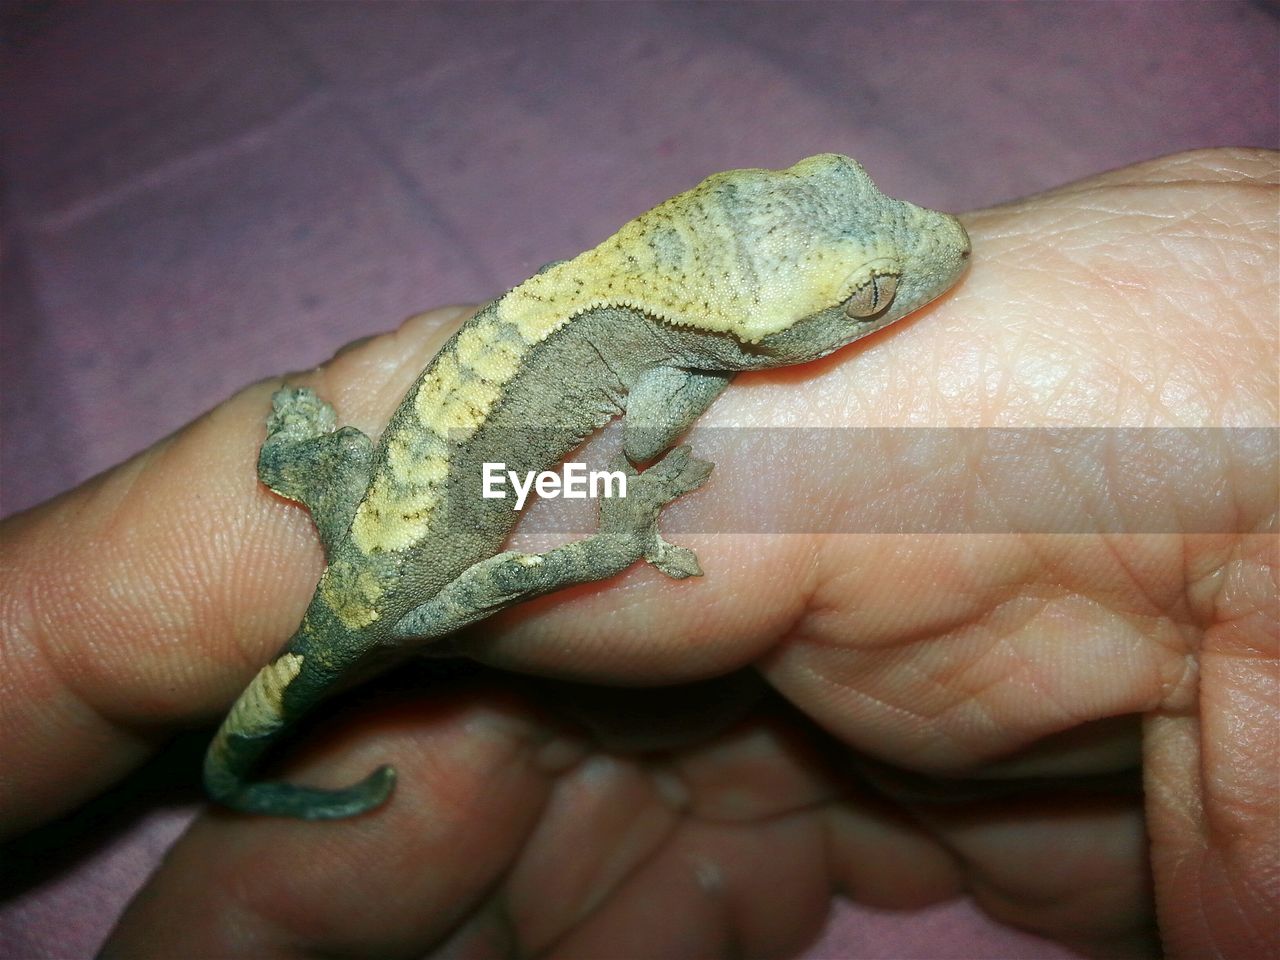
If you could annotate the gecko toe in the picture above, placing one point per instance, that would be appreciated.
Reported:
(679, 563)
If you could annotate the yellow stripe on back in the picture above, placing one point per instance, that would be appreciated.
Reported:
(737, 254)
(450, 403)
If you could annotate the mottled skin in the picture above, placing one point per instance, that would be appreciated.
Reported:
(750, 269)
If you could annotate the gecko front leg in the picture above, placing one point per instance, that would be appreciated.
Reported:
(308, 458)
(663, 403)
(628, 532)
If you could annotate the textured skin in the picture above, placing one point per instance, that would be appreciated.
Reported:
(748, 270)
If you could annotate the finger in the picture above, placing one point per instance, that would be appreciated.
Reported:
(715, 889)
(733, 847)
(146, 597)
(1096, 897)
(1212, 762)
(640, 858)
(474, 776)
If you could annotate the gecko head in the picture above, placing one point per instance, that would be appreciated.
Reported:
(822, 257)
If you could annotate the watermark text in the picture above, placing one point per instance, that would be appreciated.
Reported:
(575, 482)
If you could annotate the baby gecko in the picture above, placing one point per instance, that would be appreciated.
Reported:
(748, 270)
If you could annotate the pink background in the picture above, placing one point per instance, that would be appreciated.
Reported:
(200, 195)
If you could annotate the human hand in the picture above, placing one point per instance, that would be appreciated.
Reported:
(949, 712)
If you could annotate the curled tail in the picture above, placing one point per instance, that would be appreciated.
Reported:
(253, 725)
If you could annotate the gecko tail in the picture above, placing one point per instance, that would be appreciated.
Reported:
(311, 803)
(252, 725)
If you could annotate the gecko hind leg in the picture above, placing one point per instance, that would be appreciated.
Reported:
(307, 458)
(298, 678)
(628, 532)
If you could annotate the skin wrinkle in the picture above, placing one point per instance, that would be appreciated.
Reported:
(973, 713)
(1104, 509)
(19, 614)
(808, 630)
(162, 578)
(809, 585)
(1237, 509)
(1223, 621)
(807, 614)
(1064, 365)
(26, 627)
(1244, 895)
(844, 692)
(1225, 487)
(119, 527)
(1005, 640)
(1179, 692)
(937, 681)
(991, 503)
(1018, 658)
(917, 675)
(1155, 609)
(42, 644)
(919, 734)
(110, 499)
(998, 395)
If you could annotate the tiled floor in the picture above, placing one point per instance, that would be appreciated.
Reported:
(198, 195)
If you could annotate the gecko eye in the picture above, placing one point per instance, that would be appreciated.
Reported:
(872, 296)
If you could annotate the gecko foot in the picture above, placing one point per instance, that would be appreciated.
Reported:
(298, 413)
(305, 458)
(671, 477)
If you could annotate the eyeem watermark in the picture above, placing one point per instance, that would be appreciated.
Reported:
(576, 482)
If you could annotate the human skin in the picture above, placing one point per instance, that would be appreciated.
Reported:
(949, 713)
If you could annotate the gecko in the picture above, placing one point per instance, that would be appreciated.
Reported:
(750, 269)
